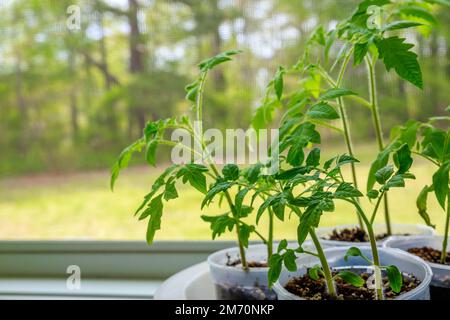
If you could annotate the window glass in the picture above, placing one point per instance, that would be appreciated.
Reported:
(80, 79)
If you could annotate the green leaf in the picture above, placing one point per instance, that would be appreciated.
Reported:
(291, 173)
(313, 272)
(445, 3)
(351, 278)
(282, 245)
(278, 83)
(401, 25)
(407, 134)
(418, 12)
(373, 194)
(380, 162)
(421, 204)
(252, 173)
(289, 260)
(191, 91)
(124, 159)
(230, 172)
(402, 159)
(396, 181)
(154, 211)
(277, 202)
(322, 110)
(244, 233)
(433, 143)
(328, 163)
(346, 190)
(383, 174)
(360, 52)
(210, 63)
(396, 54)
(239, 199)
(275, 267)
(194, 174)
(219, 224)
(395, 278)
(150, 154)
(335, 93)
(355, 252)
(313, 158)
(345, 159)
(309, 219)
(170, 191)
(216, 189)
(440, 184)
(159, 182)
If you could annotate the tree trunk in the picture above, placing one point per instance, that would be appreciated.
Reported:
(22, 107)
(137, 48)
(73, 99)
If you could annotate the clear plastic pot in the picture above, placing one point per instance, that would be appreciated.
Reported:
(399, 229)
(233, 283)
(335, 256)
(440, 285)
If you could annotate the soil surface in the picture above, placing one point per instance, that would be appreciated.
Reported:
(430, 255)
(251, 264)
(310, 289)
(355, 235)
(255, 292)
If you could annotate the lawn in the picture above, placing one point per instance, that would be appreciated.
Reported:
(81, 206)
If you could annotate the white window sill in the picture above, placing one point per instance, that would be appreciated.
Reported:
(19, 288)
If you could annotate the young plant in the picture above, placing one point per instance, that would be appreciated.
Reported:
(368, 35)
(193, 172)
(322, 187)
(433, 144)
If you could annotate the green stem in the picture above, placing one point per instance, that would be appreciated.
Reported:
(373, 244)
(378, 130)
(375, 210)
(270, 238)
(447, 223)
(323, 261)
(346, 126)
(199, 136)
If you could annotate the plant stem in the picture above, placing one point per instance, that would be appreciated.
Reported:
(375, 210)
(323, 261)
(270, 238)
(378, 130)
(447, 223)
(345, 124)
(199, 136)
(373, 244)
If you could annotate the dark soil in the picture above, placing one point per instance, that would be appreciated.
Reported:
(256, 292)
(310, 289)
(438, 292)
(251, 264)
(355, 235)
(430, 254)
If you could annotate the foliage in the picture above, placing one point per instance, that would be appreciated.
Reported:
(323, 185)
(429, 141)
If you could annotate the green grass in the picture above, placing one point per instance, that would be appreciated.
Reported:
(81, 206)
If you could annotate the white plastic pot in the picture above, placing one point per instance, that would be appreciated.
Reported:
(233, 283)
(335, 256)
(399, 229)
(440, 285)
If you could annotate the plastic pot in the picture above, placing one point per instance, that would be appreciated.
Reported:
(335, 256)
(410, 229)
(440, 285)
(233, 283)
